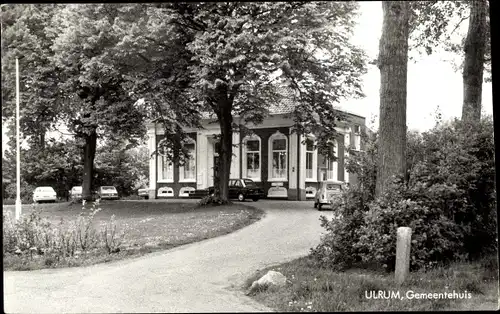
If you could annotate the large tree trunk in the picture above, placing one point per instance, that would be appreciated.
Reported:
(88, 164)
(474, 49)
(393, 65)
(226, 150)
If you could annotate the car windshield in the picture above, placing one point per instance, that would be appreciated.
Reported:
(249, 182)
(77, 188)
(45, 189)
(333, 187)
(108, 188)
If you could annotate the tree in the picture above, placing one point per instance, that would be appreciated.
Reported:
(96, 103)
(121, 166)
(70, 75)
(230, 61)
(433, 25)
(475, 45)
(393, 65)
(57, 164)
(25, 36)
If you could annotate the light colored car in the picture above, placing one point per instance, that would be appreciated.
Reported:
(143, 193)
(75, 194)
(44, 194)
(108, 192)
(326, 192)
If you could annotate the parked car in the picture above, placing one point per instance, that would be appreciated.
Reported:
(326, 192)
(143, 193)
(75, 194)
(242, 189)
(44, 194)
(107, 193)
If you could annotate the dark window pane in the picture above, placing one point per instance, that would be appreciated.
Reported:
(249, 182)
(309, 144)
(309, 160)
(279, 144)
(253, 145)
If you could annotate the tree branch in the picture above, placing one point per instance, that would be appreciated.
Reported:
(458, 24)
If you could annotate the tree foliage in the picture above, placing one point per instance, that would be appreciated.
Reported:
(448, 199)
(25, 36)
(187, 60)
(58, 164)
(124, 168)
(435, 23)
(439, 25)
(227, 60)
(70, 74)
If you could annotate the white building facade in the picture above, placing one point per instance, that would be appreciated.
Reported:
(284, 163)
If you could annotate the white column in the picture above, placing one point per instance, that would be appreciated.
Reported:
(302, 166)
(335, 164)
(235, 159)
(209, 169)
(152, 159)
(292, 159)
(347, 143)
(201, 160)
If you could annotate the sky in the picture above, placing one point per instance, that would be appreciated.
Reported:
(432, 80)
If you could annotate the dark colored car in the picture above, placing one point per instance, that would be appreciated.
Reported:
(242, 189)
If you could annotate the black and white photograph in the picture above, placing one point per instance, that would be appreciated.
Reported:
(209, 157)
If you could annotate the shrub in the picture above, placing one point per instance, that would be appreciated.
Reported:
(111, 240)
(336, 249)
(210, 200)
(34, 235)
(26, 192)
(435, 238)
(447, 197)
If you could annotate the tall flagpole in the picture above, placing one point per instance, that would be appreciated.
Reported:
(18, 155)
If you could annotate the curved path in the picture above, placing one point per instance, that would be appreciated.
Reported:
(200, 277)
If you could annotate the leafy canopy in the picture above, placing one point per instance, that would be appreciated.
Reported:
(193, 60)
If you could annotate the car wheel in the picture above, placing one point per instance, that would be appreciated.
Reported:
(241, 197)
(255, 199)
(319, 206)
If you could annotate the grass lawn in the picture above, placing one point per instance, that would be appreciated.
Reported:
(313, 289)
(147, 227)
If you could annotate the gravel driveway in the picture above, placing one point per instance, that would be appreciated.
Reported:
(200, 277)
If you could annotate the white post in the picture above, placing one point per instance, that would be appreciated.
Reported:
(18, 155)
(403, 246)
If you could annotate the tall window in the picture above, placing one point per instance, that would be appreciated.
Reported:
(188, 171)
(332, 167)
(251, 158)
(311, 160)
(278, 157)
(357, 137)
(165, 167)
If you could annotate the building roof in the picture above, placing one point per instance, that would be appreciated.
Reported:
(285, 105)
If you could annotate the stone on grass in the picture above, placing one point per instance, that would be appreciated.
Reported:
(272, 278)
